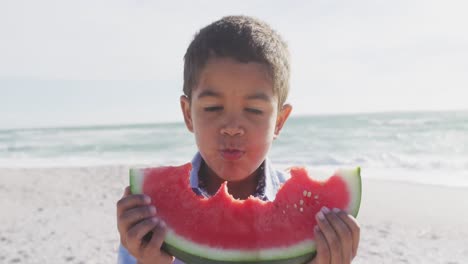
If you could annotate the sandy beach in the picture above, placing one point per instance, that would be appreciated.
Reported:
(67, 215)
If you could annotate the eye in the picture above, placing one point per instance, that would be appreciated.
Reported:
(213, 108)
(254, 111)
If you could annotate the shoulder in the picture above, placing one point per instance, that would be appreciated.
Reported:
(274, 179)
(280, 175)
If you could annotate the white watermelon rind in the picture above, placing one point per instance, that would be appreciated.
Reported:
(354, 182)
(206, 254)
(218, 254)
(137, 176)
(194, 259)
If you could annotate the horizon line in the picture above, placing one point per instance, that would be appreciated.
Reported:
(175, 122)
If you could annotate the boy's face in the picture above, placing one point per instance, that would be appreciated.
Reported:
(234, 115)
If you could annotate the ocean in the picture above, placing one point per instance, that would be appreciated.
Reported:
(418, 147)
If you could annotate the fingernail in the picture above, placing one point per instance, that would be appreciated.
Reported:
(155, 219)
(147, 200)
(162, 224)
(153, 210)
(336, 210)
(316, 229)
(320, 216)
(325, 210)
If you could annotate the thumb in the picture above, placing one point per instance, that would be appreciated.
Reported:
(127, 192)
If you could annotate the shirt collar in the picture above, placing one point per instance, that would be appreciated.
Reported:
(272, 177)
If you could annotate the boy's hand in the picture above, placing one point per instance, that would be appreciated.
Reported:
(141, 232)
(337, 237)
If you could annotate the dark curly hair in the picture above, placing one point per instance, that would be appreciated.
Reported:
(244, 39)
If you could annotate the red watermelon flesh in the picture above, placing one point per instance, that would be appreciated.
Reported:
(223, 229)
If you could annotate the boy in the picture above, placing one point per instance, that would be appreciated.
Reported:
(236, 80)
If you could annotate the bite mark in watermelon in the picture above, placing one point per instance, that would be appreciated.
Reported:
(222, 229)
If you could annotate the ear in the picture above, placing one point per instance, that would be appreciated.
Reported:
(185, 106)
(282, 117)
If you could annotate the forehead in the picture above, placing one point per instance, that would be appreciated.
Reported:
(227, 76)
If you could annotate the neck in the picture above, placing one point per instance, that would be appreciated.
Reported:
(239, 189)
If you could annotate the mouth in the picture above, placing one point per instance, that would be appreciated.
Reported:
(231, 154)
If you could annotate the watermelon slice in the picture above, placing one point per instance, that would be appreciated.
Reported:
(221, 229)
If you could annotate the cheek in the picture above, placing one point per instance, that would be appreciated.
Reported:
(205, 134)
(262, 135)
(269, 124)
(200, 122)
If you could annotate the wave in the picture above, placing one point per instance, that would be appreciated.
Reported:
(412, 142)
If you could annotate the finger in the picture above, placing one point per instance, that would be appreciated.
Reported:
(331, 237)
(353, 225)
(159, 233)
(133, 216)
(131, 201)
(323, 252)
(137, 232)
(124, 195)
(134, 237)
(127, 191)
(344, 234)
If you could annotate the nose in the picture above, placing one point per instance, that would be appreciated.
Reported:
(232, 130)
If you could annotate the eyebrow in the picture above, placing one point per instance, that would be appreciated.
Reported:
(257, 96)
(208, 93)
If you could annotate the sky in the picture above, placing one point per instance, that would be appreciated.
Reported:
(90, 62)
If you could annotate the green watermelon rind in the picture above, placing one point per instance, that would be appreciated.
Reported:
(354, 182)
(137, 177)
(194, 259)
(191, 252)
(178, 243)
